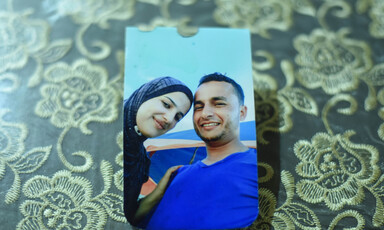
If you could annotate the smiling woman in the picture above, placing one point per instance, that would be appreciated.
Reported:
(160, 114)
(152, 110)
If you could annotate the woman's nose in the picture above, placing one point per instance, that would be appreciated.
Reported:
(168, 117)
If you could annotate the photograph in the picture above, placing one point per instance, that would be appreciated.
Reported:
(190, 155)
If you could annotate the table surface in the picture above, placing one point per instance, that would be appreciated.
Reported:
(318, 70)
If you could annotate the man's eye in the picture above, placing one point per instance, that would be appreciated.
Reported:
(197, 108)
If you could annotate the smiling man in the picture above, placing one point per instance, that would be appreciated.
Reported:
(221, 191)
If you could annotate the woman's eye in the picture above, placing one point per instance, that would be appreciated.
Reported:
(166, 105)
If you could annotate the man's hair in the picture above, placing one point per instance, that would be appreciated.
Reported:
(221, 77)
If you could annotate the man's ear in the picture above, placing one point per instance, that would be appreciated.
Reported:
(243, 112)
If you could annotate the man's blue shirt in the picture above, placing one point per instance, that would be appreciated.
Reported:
(218, 196)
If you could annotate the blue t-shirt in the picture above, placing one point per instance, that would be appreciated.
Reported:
(218, 196)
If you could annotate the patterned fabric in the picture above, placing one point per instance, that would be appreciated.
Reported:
(136, 160)
(319, 100)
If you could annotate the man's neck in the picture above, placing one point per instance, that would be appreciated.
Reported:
(217, 152)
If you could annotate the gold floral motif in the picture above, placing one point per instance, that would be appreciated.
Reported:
(272, 111)
(61, 202)
(12, 137)
(118, 176)
(376, 28)
(380, 96)
(257, 15)
(89, 12)
(331, 61)
(346, 214)
(20, 37)
(74, 96)
(374, 77)
(273, 106)
(65, 201)
(289, 215)
(335, 169)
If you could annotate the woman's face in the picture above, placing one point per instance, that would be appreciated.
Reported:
(160, 114)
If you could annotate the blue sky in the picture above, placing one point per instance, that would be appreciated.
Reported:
(163, 52)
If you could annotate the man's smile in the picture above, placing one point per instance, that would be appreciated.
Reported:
(210, 124)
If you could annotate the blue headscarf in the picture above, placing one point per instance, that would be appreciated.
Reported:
(136, 161)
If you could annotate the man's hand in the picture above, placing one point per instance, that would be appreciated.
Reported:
(155, 196)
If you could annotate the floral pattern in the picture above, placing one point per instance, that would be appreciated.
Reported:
(335, 170)
(258, 16)
(118, 176)
(380, 131)
(61, 202)
(314, 51)
(76, 95)
(376, 28)
(20, 37)
(331, 61)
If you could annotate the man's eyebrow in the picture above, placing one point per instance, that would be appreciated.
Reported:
(220, 98)
(174, 104)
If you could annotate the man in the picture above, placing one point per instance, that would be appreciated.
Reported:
(221, 191)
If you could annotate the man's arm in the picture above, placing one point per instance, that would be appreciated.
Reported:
(155, 196)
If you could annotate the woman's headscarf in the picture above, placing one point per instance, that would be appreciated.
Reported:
(136, 161)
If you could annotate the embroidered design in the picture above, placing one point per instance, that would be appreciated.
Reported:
(23, 39)
(335, 170)
(118, 176)
(90, 12)
(66, 201)
(256, 15)
(380, 96)
(13, 155)
(289, 215)
(273, 106)
(348, 214)
(376, 12)
(20, 38)
(272, 112)
(331, 61)
(74, 96)
(373, 78)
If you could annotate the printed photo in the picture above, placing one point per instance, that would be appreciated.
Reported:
(190, 155)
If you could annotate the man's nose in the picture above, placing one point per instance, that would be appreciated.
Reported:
(207, 112)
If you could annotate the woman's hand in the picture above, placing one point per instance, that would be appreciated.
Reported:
(155, 196)
(162, 185)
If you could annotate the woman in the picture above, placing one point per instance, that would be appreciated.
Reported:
(150, 111)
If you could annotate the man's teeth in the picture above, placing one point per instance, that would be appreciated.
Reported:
(210, 124)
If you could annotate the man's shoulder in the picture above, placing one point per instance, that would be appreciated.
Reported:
(249, 156)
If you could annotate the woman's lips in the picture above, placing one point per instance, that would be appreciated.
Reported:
(159, 124)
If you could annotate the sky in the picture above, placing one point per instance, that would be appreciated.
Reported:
(163, 52)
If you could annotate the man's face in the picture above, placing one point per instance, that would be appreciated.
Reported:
(217, 112)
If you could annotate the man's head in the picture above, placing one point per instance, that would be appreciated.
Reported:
(221, 77)
(218, 109)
